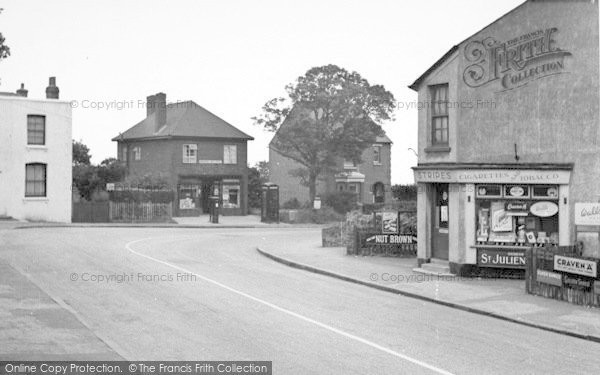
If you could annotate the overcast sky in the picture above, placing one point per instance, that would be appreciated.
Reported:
(228, 56)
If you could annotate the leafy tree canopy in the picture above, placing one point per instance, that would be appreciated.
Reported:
(81, 153)
(329, 114)
(4, 49)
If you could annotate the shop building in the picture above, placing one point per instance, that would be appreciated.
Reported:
(199, 154)
(509, 139)
(35, 156)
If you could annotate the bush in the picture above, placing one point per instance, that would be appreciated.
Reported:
(341, 201)
(311, 216)
(291, 204)
(154, 196)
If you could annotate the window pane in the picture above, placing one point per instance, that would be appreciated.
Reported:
(36, 129)
(35, 180)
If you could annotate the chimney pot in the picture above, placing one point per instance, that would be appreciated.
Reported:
(52, 91)
(22, 91)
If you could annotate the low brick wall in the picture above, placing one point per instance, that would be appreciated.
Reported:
(332, 236)
(543, 280)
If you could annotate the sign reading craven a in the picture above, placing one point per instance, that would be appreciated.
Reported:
(515, 62)
(576, 266)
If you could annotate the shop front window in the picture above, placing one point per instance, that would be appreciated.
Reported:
(188, 197)
(231, 194)
(517, 215)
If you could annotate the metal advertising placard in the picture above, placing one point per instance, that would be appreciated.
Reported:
(500, 258)
(576, 266)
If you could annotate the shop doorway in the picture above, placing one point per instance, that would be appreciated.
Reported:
(440, 216)
(209, 188)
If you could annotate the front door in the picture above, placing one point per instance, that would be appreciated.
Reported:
(207, 191)
(439, 230)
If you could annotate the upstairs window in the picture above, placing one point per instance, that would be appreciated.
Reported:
(377, 154)
(230, 154)
(35, 180)
(190, 154)
(349, 164)
(439, 115)
(124, 151)
(36, 130)
(137, 153)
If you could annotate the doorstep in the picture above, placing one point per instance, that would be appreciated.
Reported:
(436, 267)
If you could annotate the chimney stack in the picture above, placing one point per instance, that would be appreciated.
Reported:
(157, 104)
(22, 92)
(52, 91)
(150, 107)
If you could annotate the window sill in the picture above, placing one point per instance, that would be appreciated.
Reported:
(377, 163)
(36, 199)
(437, 149)
(37, 147)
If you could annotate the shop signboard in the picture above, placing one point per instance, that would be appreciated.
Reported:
(577, 282)
(387, 239)
(389, 221)
(544, 209)
(501, 258)
(548, 277)
(587, 214)
(517, 208)
(576, 266)
(493, 176)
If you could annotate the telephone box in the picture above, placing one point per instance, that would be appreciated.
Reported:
(269, 212)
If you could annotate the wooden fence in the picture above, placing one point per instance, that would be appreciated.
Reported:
(127, 212)
(90, 212)
(540, 263)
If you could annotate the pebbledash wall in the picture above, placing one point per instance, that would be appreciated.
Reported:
(55, 154)
(522, 128)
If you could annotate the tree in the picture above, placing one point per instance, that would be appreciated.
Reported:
(263, 170)
(329, 114)
(257, 176)
(4, 49)
(405, 192)
(111, 170)
(81, 153)
(88, 178)
(85, 179)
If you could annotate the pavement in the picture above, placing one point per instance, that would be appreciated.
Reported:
(498, 298)
(202, 221)
(189, 294)
(34, 325)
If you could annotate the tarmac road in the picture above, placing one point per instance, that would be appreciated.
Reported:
(206, 294)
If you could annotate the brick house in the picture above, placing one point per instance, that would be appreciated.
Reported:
(370, 180)
(198, 153)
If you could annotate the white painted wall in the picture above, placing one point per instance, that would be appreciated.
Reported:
(15, 153)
